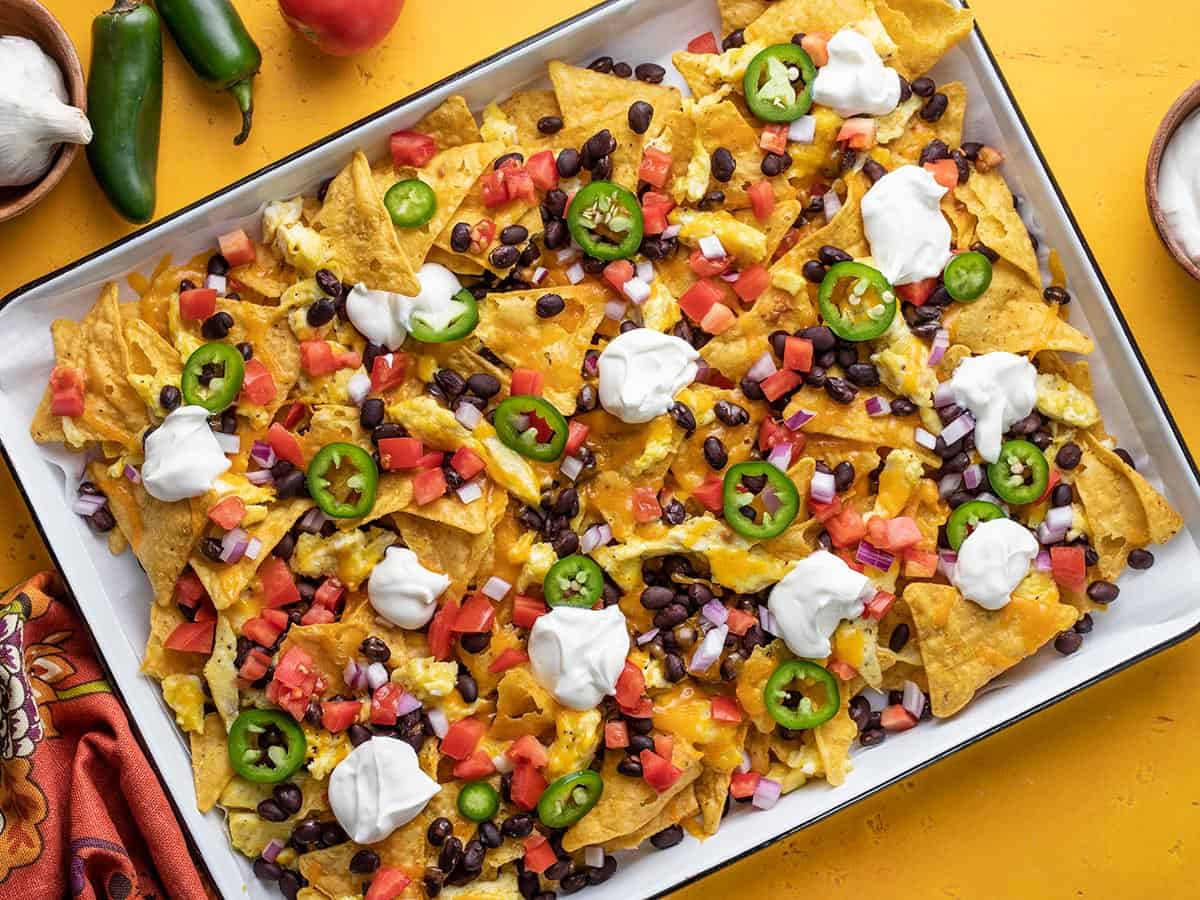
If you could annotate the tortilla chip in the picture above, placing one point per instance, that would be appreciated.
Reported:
(455, 262)
(737, 14)
(159, 662)
(450, 124)
(211, 768)
(331, 646)
(268, 275)
(357, 227)
(923, 31)
(267, 330)
(722, 125)
(712, 792)
(735, 350)
(523, 706)
(510, 327)
(153, 363)
(785, 18)
(965, 646)
(777, 225)
(683, 806)
(844, 231)
(524, 109)
(851, 422)
(334, 423)
(220, 671)
(472, 210)
(988, 198)
(834, 739)
(457, 553)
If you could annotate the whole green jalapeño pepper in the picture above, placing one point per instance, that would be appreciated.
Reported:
(570, 798)
(869, 301)
(263, 763)
(212, 38)
(606, 221)
(213, 377)
(457, 328)
(779, 83)
(777, 493)
(1020, 473)
(532, 427)
(794, 677)
(964, 520)
(573, 581)
(363, 482)
(125, 106)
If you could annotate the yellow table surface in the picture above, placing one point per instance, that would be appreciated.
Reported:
(1097, 797)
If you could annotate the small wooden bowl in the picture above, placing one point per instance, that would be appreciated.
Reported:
(1188, 103)
(29, 19)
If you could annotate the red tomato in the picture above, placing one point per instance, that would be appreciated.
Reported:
(189, 590)
(477, 616)
(329, 593)
(66, 388)
(338, 715)
(316, 358)
(616, 734)
(528, 785)
(920, 563)
(816, 45)
(879, 605)
(278, 586)
(429, 486)
(655, 208)
(718, 319)
(703, 43)
(477, 765)
(825, 511)
(902, 533)
(526, 382)
(286, 445)
(539, 855)
(944, 171)
(774, 138)
(265, 629)
(655, 167)
(466, 462)
(318, 615)
(740, 621)
(197, 304)
(917, 292)
(400, 453)
(228, 513)
(411, 148)
(1069, 567)
(388, 884)
(295, 413)
(255, 666)
(631, 685)
(658, 772)
(295, 682)
(494, 193)
(775, 386)
(482, 234)
(510, 658)
(645, 505)
(618, 272)
(699, 299)
(664, 745)
(258, 388)
(707, 268)
(859, 134)
(843, 670)
(710, 495)
(342, 27)
(237, 248)
(192, 637)
(462, 738)
(543, 171)
(527, 610)
(846, 528)
(527, 749)
(387, 371)
(762, 200)
(751, 284)
(577, 433)
(897, 718)
(1051, 484)
(385, 703)
(797, 354)
(519, 185)
(726, 709)
(441, 631)
(743, 784)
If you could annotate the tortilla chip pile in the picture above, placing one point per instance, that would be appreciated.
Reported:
(507, 524)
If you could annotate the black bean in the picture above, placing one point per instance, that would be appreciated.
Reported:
(504, 257)
(924, 87)
(460, 237)
(513, 157)
(473, 855)
(600, 874)
(734, 39)
(639, 742)
(750, 389)
(364, 862)
(683, 416)
(439, 829)
(550, 305)
(1140, 559)
(711, 200)
(871, 736)
(873, 169)
(512, 235)
(651, 73)
(452, 849)
(271, 811)
(565, 543)
(451, 383)
(840, 391)
(778, 342)
(668, 837)
(475, 642)
(247, 350)
(600, 144)
(320, 313)
(358, 734)
(829, 256)
(267, 871)
(103, 521)
(1068, 642)
(860, 710)
(285, 547)
(657, 597)
(731, 414)
(640, 115)
(170, 397)
(971, 150)
(1062, 495)
(602, 64)
(813, 271)
(559, 869)
(723, 165)
(1103, 591)
(933, 151)
(622, 69)
(1085, 624)
(518, 825)
(980, 247)
(288, 797)
(586, 399)
(863, 374)
(775, 164)
(550, 124)
(210, 547)
(569, 162)
(714, 453)
(1056, 294)
(371, 414)
(307, 831)
(1125, 457)
(898, 638)
(935, 107)
(960, 162)
(217, 326)
(906, 90)
(290, 883)
(674, 614)
(843, 476)
(467, 688)
(433, 881)
(217, 265)
(490, 835)
(573, 883)
(593, 266)
(1040, 439)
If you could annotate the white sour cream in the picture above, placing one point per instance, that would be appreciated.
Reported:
(909, 236)
(1179, 185)
(403, 591)
(999, 389)
(378, 788)
(855, 80)
(641, 371)
(578, 654)
(993, 560)
(812, 598)
(183, 458)
(386, 318)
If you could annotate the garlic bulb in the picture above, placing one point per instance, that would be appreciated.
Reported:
(34, 115)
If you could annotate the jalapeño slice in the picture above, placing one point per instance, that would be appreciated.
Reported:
(856, 301)
(532, 427)
(789, 695)
(359, 486)
(478, 801)
(569, 799)
(258, 760)
(410, 203)
(1020, 474)
(964, 519)
(455, 328)
(606, 221)
(213, 377)
(775, 492)
(967, 276)
(573, 581)
(779, 83)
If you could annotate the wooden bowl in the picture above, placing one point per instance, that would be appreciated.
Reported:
(1188, 103)
(29, 19)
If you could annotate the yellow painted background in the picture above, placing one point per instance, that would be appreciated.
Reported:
(1098, 797)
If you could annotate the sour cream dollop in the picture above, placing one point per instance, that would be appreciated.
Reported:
(183, 458)
(641, 371)
(578, 654)
(855, 80)
(993, 560)
(999, 389)
(909, 236)
(386, 318)
(378, 788)
(1179, 185)
(403, 591)
(812, 598)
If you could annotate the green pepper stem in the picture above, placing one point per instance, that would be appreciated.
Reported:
(243, 93)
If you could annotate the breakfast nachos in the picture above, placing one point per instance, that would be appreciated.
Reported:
(574, 477)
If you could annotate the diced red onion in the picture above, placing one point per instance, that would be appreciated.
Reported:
(767, 794)
(943, 396)
(566, 255)
(949, 484)
(260, 477)
(671, 232)
(407, 704)
(351, 672)
(973, 476)
(799, 419)
(591, 364)
(216, 283)
(744, 766)
(946, 562)
(925, 439)
(913, 699)
(832, 204)
(593, 856)
(595, 536)
(766, 621)
(272, 850)
(503, 764)
(575, 274)
(637, 291)
(233, 545)
(1047, 535)
(645, 271)
(994, 500)
(959, 428)
(468, 416)
(764, 367)
(714, 610)
(876, 406)
(1042, 562)
(870, 555)
(132, 474)
(615, 309)
(496, 588)
(377, 675)
(1060, 518)
(709, 650)
(263, 454)
(358, 387)
(253, 548)
(646, 637)
(88, 504)
(823, 487)
(470, 492)
(312, 521)
(803, 130)
(770, 500)
(780, 457)
(230, 444)
(712, 248)
(571, 467)
(941, 343)
(730, 277)
(440, 723)
(539, 275)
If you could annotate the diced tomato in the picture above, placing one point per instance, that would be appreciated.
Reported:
(519, 185)
(658, 772)
(618, 272)
(616, 734)
(66, 389)
(463, 737)
(316, 358)
(295, 682)
(726, 709)
(528, 749)
(527, 382)
(740, 621)
(543, 171)
(466, 462)
(897, 718)
(775, 386)
(878, 606)
(411, 148)
(917, 292)
(429, 486)
(816, 45)
(527, 610)
(1068, 565)
(206, 612)
(847, 557)
(477, 765)
(762, 200)
(655, 167)
(237, 248)
(539, 855)
(255, 665)
(944, 171)
(482, 234)
(258, 387)
(825, 511)
(771, 434)
(847, 528)
(266, 628)
(400, 453)
(509, 658)
(192, 637)
(797, 354)
(742, 785)
(843, 670)
(388, 371)
(1051, 484)
(477, 616)
(291, 418)
(494, 193)
(707, 268)
(441, 631)
(645, 505)
(664, 745)
(699, 299)
(920, 563)
(278, 585)
(643, 709)
(528, 785)
(388, 883)
(900, 533)
(197, 304)
(285, 444)
(751, 284)
(229, 512)
(385, 703)
(718, 319)
(318, 615)
(338, 715)
(189, 590)
(710, 495)
(655, 208)
(631, 685)
(858, 133)
(774, 138)
(577, 434)
(329, 594)
(703, 43)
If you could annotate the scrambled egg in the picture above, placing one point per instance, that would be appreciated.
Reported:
(694, 183)
(903, 363)
(652, 670)
(797, 765)
(325, 750)
(347, 555)
(578, 737)
(1059, 399)
(662, 443)
(901, 473)
(661, 310)
(540, 558)
(745, 242)
(303, 248)
(507, 467)
(182, 338)
(856, 642)
(892, 126)
(426, 678)
(496, 126)
(185, 695)
(256, 497)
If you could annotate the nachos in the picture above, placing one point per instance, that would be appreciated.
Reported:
(583, 473)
